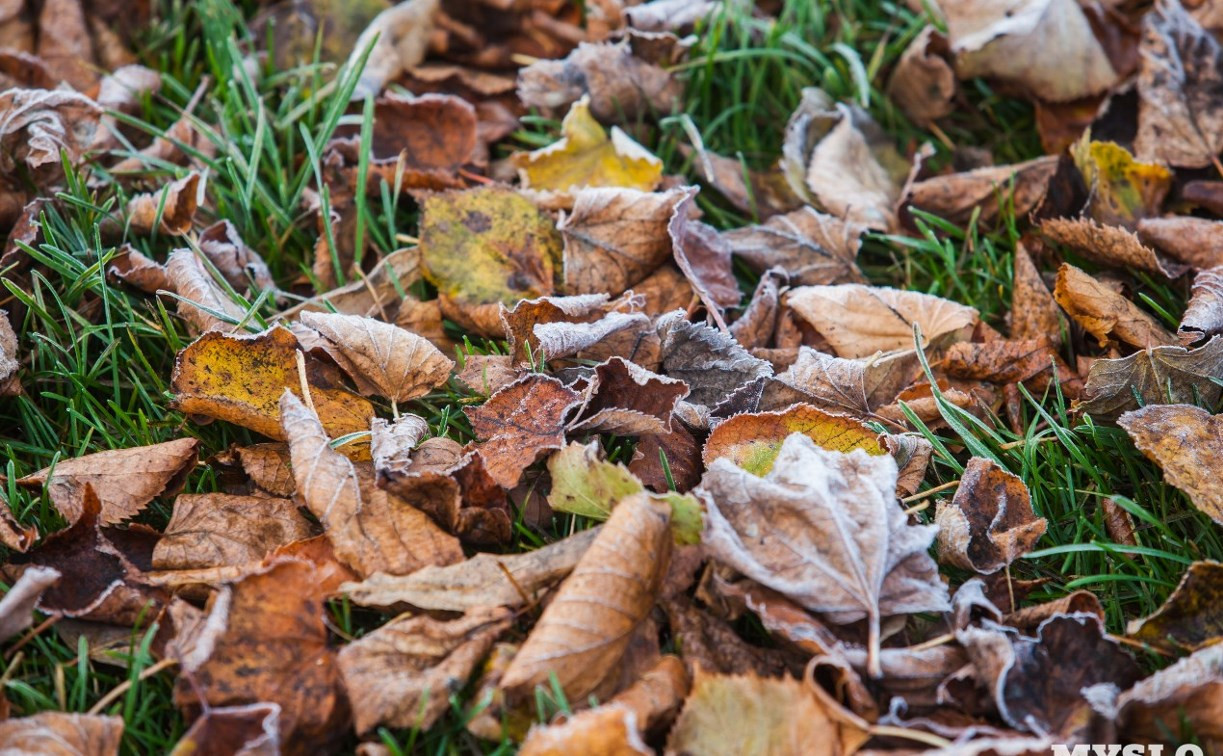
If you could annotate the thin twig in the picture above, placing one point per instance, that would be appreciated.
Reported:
(305, 386)
(122, 688)
(923, 494)
(888, 731)
(34, 632)
(933, 642)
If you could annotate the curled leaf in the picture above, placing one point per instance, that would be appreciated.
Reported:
(989, 522)
(753, 441)
(1192, 616)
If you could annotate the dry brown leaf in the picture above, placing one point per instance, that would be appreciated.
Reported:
(1159, 375)
(242, 267)
(267, 465)
(745, 715)
(38, 124)
(1197, 242)
(250, 730)
(1184, 441)
(1102, 312)
(1032, 362)
(762, 193)
(1203, 316)
(683, 454)
(382, 359)
(391, 444)
(17, 606)
(754, 327)
(1180, 113)
(812, 248)
(704, 258)
(1192, 616)
(585, 630)
(519, 321)
(142, 273)
(628, 400)
(486, 374)
(775, 530)
(711, 362)
(371, 530)
(199, 294)
(57, 733)
(397, 40)
(212, 530)
(483, 580)
(240, 379)
(858, 320)
(403, 673)
(520, 422)
(622, 85)
(1034, 312)
(10, 385)
(855, 386)
(265, 641)
(170, 210)
(1109, 245)
(957, 196)
(923, 83)
(989, 522)
(615, 238)
(708, 642)
(1187, 693)
(126, 480)
(1047, 47)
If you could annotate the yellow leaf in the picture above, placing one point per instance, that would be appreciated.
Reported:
(752, 441)
(1123, 190)
(586, 156)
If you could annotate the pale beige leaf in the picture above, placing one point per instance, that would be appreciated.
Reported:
(17, 605)
(397, 40)
(403, 673)
(126, 480)
(483, 580)
(1159, 375)
(9, 385)
(812, 248)
(57, 733)
(1109, 245)
(585, 630)
(923, 83)
(382, 359)
(371, 530)
(858, 320)
(985, 191)
(201, 296)
(1203, 317)
(824, 528)
(214, 530)
(391, 444)
(858, 386)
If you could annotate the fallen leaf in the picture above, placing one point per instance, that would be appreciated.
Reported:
(520, 422)
(267, 465)
(615, 238)
(858, 386)
(860, 320)
(1183, 440)
(1033, 686)
(17, 606)
(170, 210)
(10, 385)
(250, 730)
(126, 480)
(1034, 312)
(1032, 362)
(630, 336)
(711, 362)
(707, 642)
(586, 485)
(510, 580)
(397, 40)
(1196, 242)
(621, 85)
(1185, 694)
(628, 400)
(391, 444)
(403, 673)
(1047, 47)
(370, 529)
(754, 327)
(1102, 312)
(776, 531)
(142, 273)
(811, 247)
(923, 83)
(586, 156)
(1121, 190)
(1159, 375)
(753, 441)
(761, 193)
(265, 641)
(1180, 115)
(211, 530)
(1192, 616)
(38, 124)
(382, 359)
(848, 165)
(957, 196)
(486, 374)
(585, 630)
(746, 714)
(989, 523)
(58, 733)
(519, 322)
(201, 300)
(240, 379)
(683, 459)
(1109, 245)
(1203, 316)
(486, 246)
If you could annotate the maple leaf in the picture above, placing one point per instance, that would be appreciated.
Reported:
(823, 528)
